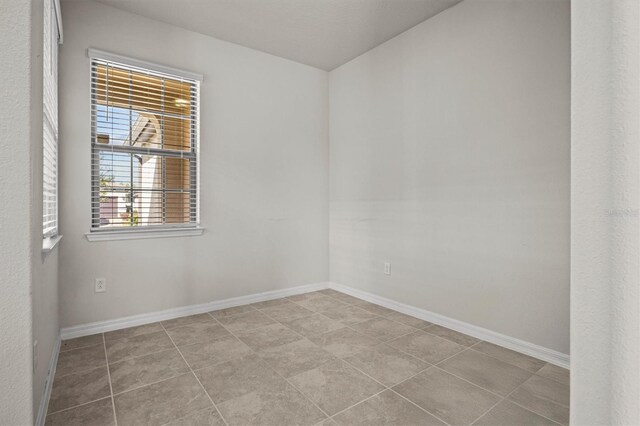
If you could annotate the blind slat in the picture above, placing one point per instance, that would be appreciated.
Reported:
(50, 123)
(144, 141)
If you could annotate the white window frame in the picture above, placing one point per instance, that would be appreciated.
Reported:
(51, 41)
(182, 230)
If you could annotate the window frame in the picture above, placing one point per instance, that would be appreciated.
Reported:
(51, 236)
(145, 231)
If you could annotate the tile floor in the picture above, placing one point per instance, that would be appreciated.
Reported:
(317, 358)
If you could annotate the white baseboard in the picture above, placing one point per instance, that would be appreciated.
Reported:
(549, 355)
(527, 348)
(51, 373)
(131, 321)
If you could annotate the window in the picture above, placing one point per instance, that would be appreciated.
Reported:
(51, 38)
(144, 146)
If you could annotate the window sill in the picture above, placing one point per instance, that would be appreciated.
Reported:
(143, 234)
(49, 243)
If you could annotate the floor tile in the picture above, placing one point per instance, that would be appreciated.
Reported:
(98, 413)
(335, 386)
(206, 417)
(348, 299)
(386, 409)
(313, 325)
(269, 336)
(177, 322)
(545, 397)
(329, 292)
(343, 342)
(427, 347)
(322, 303)
(133, 331)
(386, 364)
(383, 329)
(78, 360)
(296, 357)
(374, 309)
(137, 345)
(287, 312)
(246, 321)
(508, 414)
(348, 315)
(269, 303)
(279, 405)
(556, 373)
(487, 372)
(407, 320)
(212, 352)
(81, 342)
(512, 357)
(135, 372)
(238, 377)
(161, 402)
(327, 422)
(222, 313)
(451, 399)
(197, 332)
(454, 336)
(305, 296)
(79, 388)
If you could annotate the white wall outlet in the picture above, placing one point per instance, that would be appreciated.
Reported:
(101, 285)
(35, 356)
(387, 268)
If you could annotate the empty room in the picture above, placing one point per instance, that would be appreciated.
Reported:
(319, 212)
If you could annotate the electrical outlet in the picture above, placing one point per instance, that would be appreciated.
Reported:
(35, 356)
(101, 285)
(387, 268)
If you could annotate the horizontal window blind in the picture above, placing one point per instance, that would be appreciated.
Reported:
(50, 122)
(145, 133)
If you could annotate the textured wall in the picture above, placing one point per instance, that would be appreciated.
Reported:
(450, 159)
(15, 217)
(605, 296)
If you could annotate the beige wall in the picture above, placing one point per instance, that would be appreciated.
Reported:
(450, 159)
(263, 175)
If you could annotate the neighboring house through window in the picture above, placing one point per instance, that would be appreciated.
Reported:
(144, 145)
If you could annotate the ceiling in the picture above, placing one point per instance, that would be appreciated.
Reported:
(321, 33)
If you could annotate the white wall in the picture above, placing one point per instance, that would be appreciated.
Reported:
(605, 237)
(28, 304)
(264, 183)
(15, 244)
(449, 158)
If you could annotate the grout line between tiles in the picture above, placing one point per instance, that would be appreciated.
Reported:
(79, 405)
(113, 401)
(505, 399)
(423, 409)
(80, 347)
(530, 410)
(195, 376)
(385, 387)
(278, 373)
(359, 402)
(338, 358)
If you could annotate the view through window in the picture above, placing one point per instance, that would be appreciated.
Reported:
(144, 148)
